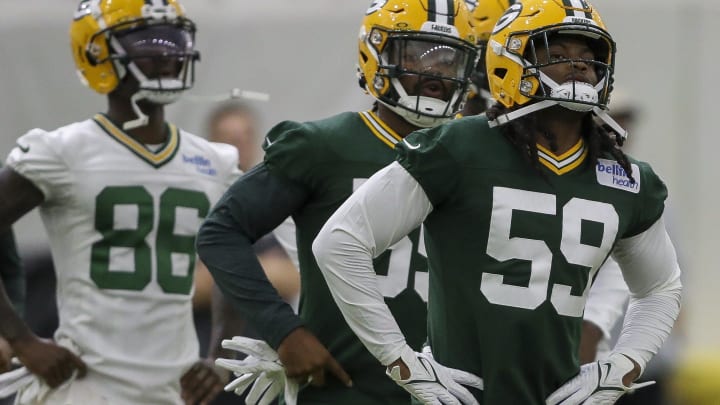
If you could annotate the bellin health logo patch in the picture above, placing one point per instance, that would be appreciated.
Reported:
(610, 173)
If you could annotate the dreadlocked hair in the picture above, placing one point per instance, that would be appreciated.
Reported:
(523, 134)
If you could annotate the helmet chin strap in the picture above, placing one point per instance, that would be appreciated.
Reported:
(572, 91)
(152, 91)
(520, 112)
(607, 119)
(142, 119)
(157, 91)
(487, 97)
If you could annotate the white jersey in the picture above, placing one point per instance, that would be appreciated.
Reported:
(122, 220)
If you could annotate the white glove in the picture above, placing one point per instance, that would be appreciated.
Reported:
(597, 383)
(432, 383)
(12, 381)
(26, 386)
(262, 369)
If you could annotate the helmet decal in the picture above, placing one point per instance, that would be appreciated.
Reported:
(441, 11)
(519, 61)
(375, 6)
(577, 8)
(508, 17)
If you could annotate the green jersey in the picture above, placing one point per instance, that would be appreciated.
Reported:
(512, 253)
(331, 158)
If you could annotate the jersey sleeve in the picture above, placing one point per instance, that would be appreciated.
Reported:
(608, 298)
(293, 152)
(653, 193)
(38, 157)
(425, 156)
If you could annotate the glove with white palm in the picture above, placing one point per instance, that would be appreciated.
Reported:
(432, 383)
(261, 369)
(599, 383)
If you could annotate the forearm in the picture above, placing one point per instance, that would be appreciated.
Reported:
(386, 208)
(648, 322)
(12, 327)
(607, 299)
(234, 266)
(349, 273)
(650, 268)
(589, 340)
(252, 207)
(11, 273)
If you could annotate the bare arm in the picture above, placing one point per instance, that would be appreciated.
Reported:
(19, 197)
(52, 363)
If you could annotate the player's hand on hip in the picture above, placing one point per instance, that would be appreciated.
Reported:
(261, 371)
(6, 354)
(306, 359)
(600, 382)
(431, 382)
(201, 383)
(51, 362)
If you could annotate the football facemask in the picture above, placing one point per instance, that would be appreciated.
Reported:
(160, 57)
(428, 77)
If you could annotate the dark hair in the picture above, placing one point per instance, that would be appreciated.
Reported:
(523, 134)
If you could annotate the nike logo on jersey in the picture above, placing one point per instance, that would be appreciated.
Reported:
(410, 146)
(609, 173)
(24, 149)
(268, 143)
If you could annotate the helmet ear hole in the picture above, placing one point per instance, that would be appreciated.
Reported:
(90, 58)
(500, 72)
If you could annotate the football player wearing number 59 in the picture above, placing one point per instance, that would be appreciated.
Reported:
(121, 195)
(415, 57)
(521, 207)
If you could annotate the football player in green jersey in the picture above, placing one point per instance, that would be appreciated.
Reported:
(415, 57)
(608, 296)
(121, 196)
(520, 209)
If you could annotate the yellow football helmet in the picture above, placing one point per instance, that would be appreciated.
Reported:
(515, 71)
(108, 37)
(483, 16)
(426, 40)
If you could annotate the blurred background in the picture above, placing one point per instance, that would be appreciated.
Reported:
(302, 53)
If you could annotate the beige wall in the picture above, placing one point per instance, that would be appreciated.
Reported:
(303, 55)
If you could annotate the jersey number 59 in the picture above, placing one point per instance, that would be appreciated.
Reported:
(503, 247)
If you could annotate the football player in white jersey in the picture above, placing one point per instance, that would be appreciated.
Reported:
(121, 195)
